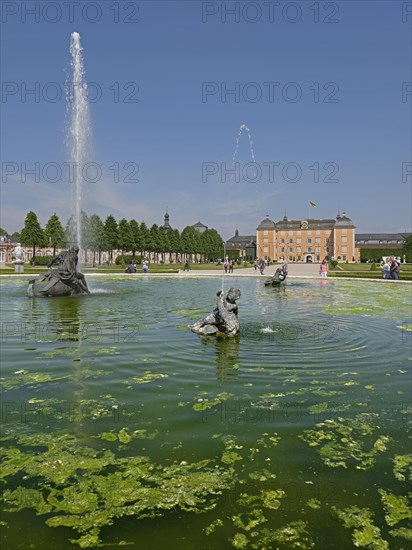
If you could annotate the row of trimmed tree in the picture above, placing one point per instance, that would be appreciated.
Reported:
(130, 237)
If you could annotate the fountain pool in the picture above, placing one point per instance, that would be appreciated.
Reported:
(120, 425)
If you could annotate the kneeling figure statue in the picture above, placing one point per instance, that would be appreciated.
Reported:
(223, 321)
(64, 280)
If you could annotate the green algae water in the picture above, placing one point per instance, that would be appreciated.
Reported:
(120, 427)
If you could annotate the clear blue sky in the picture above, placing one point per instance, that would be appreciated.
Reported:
(171, 131)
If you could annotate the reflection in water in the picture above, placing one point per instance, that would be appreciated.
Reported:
(268, 296)
(227, 351)
(65, 313)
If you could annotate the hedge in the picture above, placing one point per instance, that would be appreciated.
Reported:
(40, 260)
(127, 259)
(233, 254)
(378, 253)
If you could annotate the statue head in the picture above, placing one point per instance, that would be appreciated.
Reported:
(233, 294)
(75, 248)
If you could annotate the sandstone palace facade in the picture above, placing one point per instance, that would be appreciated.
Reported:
(307, 240)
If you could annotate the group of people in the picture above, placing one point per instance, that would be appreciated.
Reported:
(260, 264)
(228, 265)
(131, 268)
(390, 268)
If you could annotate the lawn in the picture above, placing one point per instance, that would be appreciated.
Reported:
(363, 271)
(367, 267)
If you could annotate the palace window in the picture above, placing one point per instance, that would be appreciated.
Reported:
(344, 248)
(318, 239)
(327, 240)
(309, 249)
(317, 231)
(298, 241)
(265, 249)
(309, 240)
(290, 249)
(290, 240)
(265, 232)
(344, 258)
(282, 240)
(344, 239)
(265, 240)
(282, 249)
(327, 249)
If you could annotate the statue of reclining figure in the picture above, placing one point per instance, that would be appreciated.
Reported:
(63, 281)
(279, 276)
(223, 321)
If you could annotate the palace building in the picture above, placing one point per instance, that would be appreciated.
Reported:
(307, 240)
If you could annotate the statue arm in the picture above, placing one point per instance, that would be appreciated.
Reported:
(54, 260)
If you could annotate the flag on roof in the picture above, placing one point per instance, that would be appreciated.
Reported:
(312, 204)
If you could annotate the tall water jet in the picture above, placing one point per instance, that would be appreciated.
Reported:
(243, 128)
(79, 128)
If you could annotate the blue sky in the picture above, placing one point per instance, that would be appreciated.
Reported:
(336, 107)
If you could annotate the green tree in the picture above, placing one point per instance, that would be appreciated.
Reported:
(70, 232)
(54, 233)
(97, 237)
(164, 242)
(155, 238)
(3, 232)
(85, 233)
(126, 240)
(137, 241)
(145, 239)
(111, 235)
(214, 244)
(174, 240)
(32, 233)
(190, 241)
(407, 249)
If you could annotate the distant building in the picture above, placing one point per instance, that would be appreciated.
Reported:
(380, 240)
(199, 226)
(307, 240)
(166, 224)
(388, 243)
(7, 246)
(246, 244)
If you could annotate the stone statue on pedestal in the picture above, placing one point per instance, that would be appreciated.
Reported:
(223, 321)
(18, 253)
(64, 280)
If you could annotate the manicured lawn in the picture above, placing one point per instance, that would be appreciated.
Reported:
(364, 271)
(366, 267)
(403, 276)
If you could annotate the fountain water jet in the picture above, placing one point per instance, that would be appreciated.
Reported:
(79, 128)
(243, 128)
